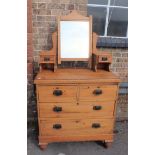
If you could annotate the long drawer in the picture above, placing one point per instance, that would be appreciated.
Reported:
(72, 110)
(98, 93)
(57, 93)
(55, 127)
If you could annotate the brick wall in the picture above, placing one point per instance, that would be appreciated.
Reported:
(119, 67)
(29, 57)
(119, 64)
(44, 13)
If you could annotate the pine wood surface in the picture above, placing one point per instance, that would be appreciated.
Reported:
(76, 126)
(73, 75)
(72, 110)
(76, 104)
(44, 140)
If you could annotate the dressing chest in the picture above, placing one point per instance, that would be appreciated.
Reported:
(75, 104)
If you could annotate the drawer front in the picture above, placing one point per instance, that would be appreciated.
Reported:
(105, 58)
(57, 93)
(87, 109)
(57, 127)
(98, 93)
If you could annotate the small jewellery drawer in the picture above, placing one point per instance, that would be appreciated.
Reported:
(57, 127)
(57, 93)
(105, 58)
(96, 93)
(87, 109)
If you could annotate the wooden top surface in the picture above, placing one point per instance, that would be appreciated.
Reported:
(75, 76)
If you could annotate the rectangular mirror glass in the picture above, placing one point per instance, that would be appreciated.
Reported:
(74, 39)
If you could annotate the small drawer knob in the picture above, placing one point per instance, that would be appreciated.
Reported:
(57, 109)
(104, 58)
(57, 92)
(57, 126)
(97, 92)
(46, 59)
(96, 125)
(97, 107)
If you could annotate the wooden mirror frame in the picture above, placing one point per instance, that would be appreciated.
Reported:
(74, 16)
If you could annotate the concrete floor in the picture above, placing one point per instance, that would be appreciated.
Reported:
(119, 146)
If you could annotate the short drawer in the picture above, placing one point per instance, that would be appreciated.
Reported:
(57, 127)
(86, 109)
(57, 93)
(98, 93)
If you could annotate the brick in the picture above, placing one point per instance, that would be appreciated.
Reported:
(56, 12)
(65, 1)
(42, 24)
(34, 29)
(41, 1)
(79, 1)
(52, 6)
(29, 68)
(41, 5)
(46, 18)
(41, 12)
(70, 7)
(117, 65)
(43, 34)
(34, 5)
(29, 25)
(36, 52)
(29, 38)
(30, 78)
(29, 51)
(38, 47)
(36, 58)
(82, 7)
(119, 60)
(116, 54)
(124, 54)
(34, 17)
(125, 59)
(35, 41)
(42, 41)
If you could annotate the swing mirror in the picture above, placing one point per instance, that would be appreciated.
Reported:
(74, 38)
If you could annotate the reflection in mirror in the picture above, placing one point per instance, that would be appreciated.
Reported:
(74, 39)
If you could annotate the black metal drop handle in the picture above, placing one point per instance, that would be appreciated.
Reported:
(57, 92)
(97, 92)
(97, 107)
(96, 125)
(57, 109)
(57, 126)
(104, 58)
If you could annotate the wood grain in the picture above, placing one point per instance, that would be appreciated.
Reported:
(46, 93)
(109, 92)
(75, 127)
(69, 138)
(74, 110)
